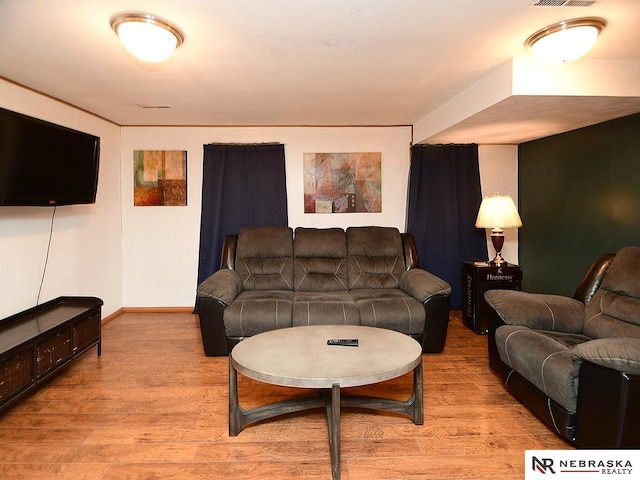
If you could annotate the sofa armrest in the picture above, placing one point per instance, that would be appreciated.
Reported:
(537, 311)
(224, 286)
(423, 285)
(433, 293)
(620, 353)
(213, 296)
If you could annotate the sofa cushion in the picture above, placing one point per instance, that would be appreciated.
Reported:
(610, 314)
(320, 260)
(545, 362)
(623, 275)
(614, 310)
(390, 308)
(264, 258)
(324, 308)
(375, 257)
(257, 311)
(569, 340)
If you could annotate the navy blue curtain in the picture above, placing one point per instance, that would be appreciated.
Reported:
(444, 198)
(243, 185)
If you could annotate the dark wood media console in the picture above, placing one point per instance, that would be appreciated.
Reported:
(37, 343)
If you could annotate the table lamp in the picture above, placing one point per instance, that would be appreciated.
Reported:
(497, 213)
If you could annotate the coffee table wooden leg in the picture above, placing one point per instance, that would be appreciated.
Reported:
(235, 412)
(413, 407)
(417, 408)
(333, 420)
(239, 417)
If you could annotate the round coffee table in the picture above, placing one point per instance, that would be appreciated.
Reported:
(300, 357)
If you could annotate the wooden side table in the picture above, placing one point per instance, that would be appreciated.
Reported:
(477, 278)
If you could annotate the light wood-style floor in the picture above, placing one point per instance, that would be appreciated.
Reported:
(154, 407)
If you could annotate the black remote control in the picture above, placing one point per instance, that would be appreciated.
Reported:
(344, 342)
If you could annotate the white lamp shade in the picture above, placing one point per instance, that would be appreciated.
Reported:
(148, 38)
(498, 212)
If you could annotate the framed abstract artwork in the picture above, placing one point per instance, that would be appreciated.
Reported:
(342, 182)
(159, 177)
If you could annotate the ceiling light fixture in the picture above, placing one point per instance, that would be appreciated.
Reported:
(147, 37)
(565, 41)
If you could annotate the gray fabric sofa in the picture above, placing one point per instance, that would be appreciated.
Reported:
(576, 361)
(272, 278)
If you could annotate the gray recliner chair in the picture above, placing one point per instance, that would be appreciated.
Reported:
(575, 362)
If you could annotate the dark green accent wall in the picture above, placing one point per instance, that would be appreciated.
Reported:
(579, 195)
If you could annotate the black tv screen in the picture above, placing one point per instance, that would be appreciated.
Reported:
(44, 164)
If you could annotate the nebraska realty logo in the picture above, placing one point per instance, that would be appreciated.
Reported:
(581, 464)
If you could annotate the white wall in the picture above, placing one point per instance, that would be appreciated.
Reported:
(160, 244)
(147, 256)
(499, 173)
(85, 255)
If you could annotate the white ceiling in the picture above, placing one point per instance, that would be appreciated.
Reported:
(308, 62)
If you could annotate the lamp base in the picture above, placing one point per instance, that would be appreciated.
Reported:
(498, 260)
(497, 239)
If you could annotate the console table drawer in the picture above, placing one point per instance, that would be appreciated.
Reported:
(52, 351)
(86, 332)
(16, 373)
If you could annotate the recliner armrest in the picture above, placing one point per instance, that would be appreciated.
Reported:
(423, 285)
(537, 311)
(224, 285)
(618, 353)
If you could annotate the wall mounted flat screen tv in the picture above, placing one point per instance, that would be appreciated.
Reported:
(44, 164)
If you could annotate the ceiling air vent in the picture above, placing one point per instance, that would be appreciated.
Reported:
(154, 106)
(564, 3)
(580, 3)
(549, 3)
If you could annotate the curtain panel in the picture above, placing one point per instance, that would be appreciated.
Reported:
(444, 198)
(243, 185)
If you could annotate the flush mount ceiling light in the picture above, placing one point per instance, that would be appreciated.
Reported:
(565, 41)
(147, 37)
